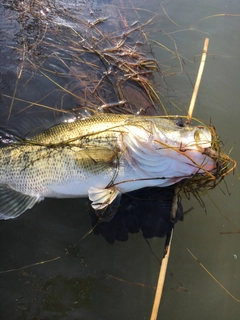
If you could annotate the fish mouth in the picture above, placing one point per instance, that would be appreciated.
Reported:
(205, 144)
(203, 139)
(216, 164)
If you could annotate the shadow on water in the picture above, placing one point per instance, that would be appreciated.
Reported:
(44, 274)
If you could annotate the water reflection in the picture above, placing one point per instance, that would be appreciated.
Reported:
(148, 210)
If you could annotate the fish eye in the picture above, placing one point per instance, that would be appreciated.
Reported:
(180, 123)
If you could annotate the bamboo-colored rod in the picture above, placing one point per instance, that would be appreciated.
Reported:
(198, 80)
(163, 269)
(161, 279)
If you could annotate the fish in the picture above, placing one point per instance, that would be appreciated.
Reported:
(100, 157)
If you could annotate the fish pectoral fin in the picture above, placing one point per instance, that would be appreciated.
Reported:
(106, 214)
(14, 203)
(101, 198)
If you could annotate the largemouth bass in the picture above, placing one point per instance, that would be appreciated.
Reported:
(100, 157)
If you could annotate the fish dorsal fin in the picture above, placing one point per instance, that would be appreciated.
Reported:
(14, 203)
(101, 198)
(97, 158)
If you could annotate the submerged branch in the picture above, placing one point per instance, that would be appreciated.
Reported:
(30, 265)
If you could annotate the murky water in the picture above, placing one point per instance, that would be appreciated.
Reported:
(96, 280)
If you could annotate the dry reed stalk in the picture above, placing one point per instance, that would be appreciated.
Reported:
(198, 80)
(163, 269)
(161, 279)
